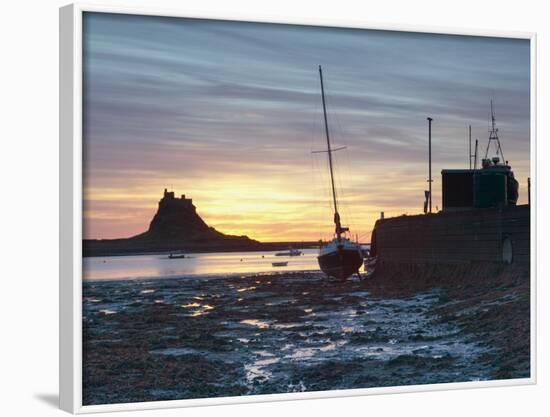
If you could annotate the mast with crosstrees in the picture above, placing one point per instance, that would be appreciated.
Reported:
(339, 228)
(340, 257)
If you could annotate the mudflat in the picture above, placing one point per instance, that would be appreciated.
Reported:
(212, 336)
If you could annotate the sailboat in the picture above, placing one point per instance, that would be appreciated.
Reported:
(341, 257)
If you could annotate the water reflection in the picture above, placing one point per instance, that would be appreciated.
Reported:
(148, 266)
(257, 323)
(190, 305)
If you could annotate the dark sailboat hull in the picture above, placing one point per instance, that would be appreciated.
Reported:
(340, 264)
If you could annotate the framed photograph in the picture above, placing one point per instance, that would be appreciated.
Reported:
(258, 209)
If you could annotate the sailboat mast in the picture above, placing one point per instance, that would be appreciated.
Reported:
(329, 149)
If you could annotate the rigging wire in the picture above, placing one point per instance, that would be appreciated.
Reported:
(346, 174)
(343, 169)
(319, 174)
(314, 166)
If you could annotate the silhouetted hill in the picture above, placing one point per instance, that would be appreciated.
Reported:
(177, 220)
(176, 226)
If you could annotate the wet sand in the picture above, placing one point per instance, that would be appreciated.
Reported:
(197, 337)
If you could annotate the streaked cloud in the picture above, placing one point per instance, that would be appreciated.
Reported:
(228, 113)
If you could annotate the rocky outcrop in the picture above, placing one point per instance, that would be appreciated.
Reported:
(175, 226)
(177, 220)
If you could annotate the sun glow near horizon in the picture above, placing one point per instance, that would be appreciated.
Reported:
(263, 208)
(254, 209)
(233, 125)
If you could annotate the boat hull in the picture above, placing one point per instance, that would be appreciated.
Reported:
(340, 263)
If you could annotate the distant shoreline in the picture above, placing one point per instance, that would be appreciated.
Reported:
(91, 249)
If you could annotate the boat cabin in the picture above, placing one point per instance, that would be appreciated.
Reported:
(493, 185)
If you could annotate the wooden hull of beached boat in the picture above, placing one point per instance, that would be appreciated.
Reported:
(341, 262)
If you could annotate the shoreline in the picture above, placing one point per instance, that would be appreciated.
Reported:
(214, 275)
(265, 247)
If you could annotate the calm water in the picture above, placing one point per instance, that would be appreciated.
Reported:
(148, 266)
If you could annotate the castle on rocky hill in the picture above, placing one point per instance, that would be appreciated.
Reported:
(175, 226)
(178, 218)
(169, 198)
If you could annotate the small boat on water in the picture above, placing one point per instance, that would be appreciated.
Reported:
(290, 252)
(341, 257)
(285, 263)
(176, 256)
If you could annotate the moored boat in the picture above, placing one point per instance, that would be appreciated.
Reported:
(176, 256)
(341, 257)
(290, 252)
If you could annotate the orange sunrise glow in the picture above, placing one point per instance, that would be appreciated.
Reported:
(233, 126)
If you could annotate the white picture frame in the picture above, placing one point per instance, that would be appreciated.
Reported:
(70, 153)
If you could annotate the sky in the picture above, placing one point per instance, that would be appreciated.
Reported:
(228, 113)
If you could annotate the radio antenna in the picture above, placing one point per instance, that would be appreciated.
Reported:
(493, 135)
